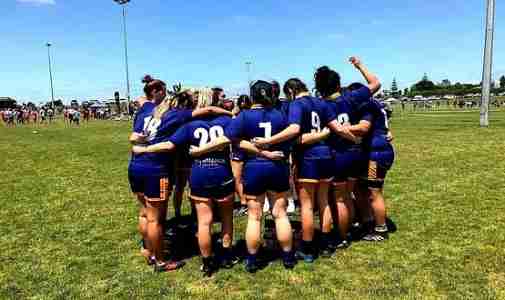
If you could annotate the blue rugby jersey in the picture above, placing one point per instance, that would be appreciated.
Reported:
(312, 115)
(380, 126)
(258, 122)
(212, 169)
(283, 106)
(158, 130)
(140, 121)
(142, 116)
(203, 131)
(349, 109)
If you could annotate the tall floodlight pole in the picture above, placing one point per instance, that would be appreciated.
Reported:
(488, 64)
(248, 69)
(50, 73)
(123, 4)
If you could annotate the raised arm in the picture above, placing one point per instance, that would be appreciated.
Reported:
(216, 144)
(155, 148)
(373, 81)
(315, 137)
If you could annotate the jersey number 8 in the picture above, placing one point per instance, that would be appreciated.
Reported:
(343, 119)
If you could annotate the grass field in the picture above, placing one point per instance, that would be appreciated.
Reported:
(68, 222)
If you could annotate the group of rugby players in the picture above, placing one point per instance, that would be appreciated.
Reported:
(336, 146)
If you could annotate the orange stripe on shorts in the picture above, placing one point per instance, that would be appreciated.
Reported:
(372, 170)
(163, 188)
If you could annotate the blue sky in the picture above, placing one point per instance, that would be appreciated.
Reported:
(206, 43)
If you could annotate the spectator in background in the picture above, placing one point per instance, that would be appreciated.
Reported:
(50, 115)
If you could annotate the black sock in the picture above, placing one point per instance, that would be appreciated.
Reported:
(325, 239)
(306, 247)
(227, 252)
(287, 256)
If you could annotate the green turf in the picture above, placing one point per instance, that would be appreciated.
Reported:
(68, 222)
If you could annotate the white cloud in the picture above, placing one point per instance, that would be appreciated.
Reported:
(38, 2)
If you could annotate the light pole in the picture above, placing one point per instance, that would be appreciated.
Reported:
(50, 73)
(488, 64)
(248, 69)
(123, 4)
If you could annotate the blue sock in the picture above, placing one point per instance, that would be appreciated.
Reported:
(251, 258)
(287, 256)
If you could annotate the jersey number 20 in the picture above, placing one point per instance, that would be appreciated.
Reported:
(203, 135)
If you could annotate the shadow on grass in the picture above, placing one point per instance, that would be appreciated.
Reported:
(181, 239)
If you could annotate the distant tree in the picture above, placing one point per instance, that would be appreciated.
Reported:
(445, 83)
(406, 92)
(394, 88)
(424, 85)
(58, 103)
(502, 82)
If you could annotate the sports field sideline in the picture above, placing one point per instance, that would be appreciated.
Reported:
(68, 221)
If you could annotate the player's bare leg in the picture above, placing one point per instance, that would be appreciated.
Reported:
(142, 227)
(306, 193)
(283, 228)
(343, 221)
(325, 218)
(380, 232)
(226, 212)
(253, 231)
(204, 215)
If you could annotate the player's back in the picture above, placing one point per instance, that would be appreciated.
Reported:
(377, 137)
(312, 115)
(205, 130)
(261, 122)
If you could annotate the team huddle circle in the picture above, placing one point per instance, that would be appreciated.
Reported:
(324, 154)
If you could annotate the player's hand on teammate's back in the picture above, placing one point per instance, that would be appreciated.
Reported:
(194, 151)
(273, 155)
(261, 142)
(138, 138)
(390, 137)
(138, 149)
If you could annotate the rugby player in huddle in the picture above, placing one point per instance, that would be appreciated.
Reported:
(334, 142)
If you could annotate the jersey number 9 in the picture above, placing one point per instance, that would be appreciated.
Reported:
(316, 122)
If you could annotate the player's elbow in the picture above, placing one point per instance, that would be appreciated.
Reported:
(375, 86)
(294, 129)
